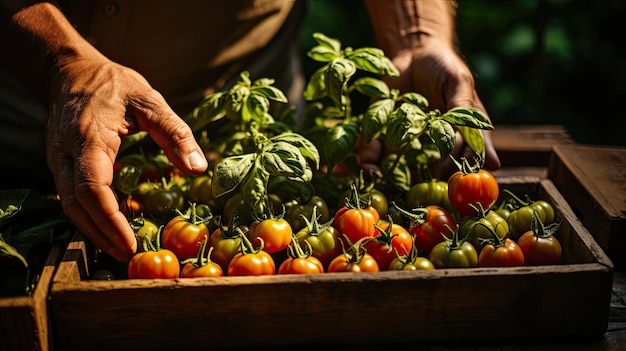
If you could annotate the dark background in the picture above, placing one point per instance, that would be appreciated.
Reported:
(535, 61)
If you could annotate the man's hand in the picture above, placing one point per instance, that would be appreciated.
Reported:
(93, 103)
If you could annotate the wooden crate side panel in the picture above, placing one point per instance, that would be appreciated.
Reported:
(24, 320)
(430, 308)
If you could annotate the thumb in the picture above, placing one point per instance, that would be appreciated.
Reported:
(170, 132)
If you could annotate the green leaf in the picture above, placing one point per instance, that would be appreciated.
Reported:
(9, 251)
(372, 87)
(11, 202)
(415, 99)
(269, 92)
(322, 54)
(427, 153)
(306, 147)
(375, 118)
(255, 108)
(337, 76)
(133, 139)
(443, 135)
(254, 189)
(470, 117)
(209, 110)
(405, 123)
(474, 139)
(235, 101)
(333, 45)
(230, 172)
(283, 159)
(340, 141)
(396, 171)
(373, 60)
(316, 87)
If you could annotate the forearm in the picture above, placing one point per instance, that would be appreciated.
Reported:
(38, 37)
(405, 25)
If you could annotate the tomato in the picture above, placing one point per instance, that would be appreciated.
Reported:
(430, 192)
(226, 243)
(521, 215)
(236, 208)
(546, 208)
(297, 214)
(201, 266)
(346, 263)
(323, 238)
(184, 234)
(161, 263)
(355, 220)
(539, 245)
(500, 252)
(148, 230)
(251, 261)
(429, 230)
(411, 261)
(275, 232)
(470, 188)
(300, 261)
(389, 240)
(454, 252)
(201, 192)
(161, 201)
(477, 228)
(369, 195)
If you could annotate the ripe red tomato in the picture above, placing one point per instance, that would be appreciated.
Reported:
(275, 232)
(476, 187)
(201, 266)
(540, 250)
(301, 265)
(430, 231)
(184, 236)
(501, 253)
(389, 240)
(162, 263)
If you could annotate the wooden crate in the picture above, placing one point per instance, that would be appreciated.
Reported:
(569, 301)
(592, 179)
(24, 319)
(527, 145)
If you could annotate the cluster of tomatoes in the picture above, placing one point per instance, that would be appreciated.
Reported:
(446, 224)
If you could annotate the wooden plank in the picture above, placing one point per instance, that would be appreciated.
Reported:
(527, 145)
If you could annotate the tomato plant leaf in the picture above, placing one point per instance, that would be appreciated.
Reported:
(210, 109)
(373, 60)
(443, 135)
(395, 169)
(338, 74)
(331, 44)
(340, 141)
(255, 108)
(375, 118)
(372, 87)
(304, 145)
(7, 250)
(235, 100)
(269, 92)
(316, 87)
(471, 117)
(423, 154)
(406, 122)
(283, 159)
(474, 139)
(415, 99)
(11, 202)
(254, 189)
(230, 172)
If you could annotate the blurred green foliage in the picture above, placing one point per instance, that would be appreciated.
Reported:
(535, 61)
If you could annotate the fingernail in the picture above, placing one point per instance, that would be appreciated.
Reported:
(197, 161)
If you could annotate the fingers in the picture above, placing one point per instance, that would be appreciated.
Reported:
(169, 131)
(87, 199)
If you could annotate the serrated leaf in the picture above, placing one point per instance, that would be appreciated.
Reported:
(375, 118)
(283, 159)
(230, 172)
(443, 136)
(372, 87)
(470, 117)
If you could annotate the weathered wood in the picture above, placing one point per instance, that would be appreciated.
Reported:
(527, 145)
(593, 181)
(482, 305)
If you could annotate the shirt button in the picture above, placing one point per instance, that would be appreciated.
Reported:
(111, 8)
